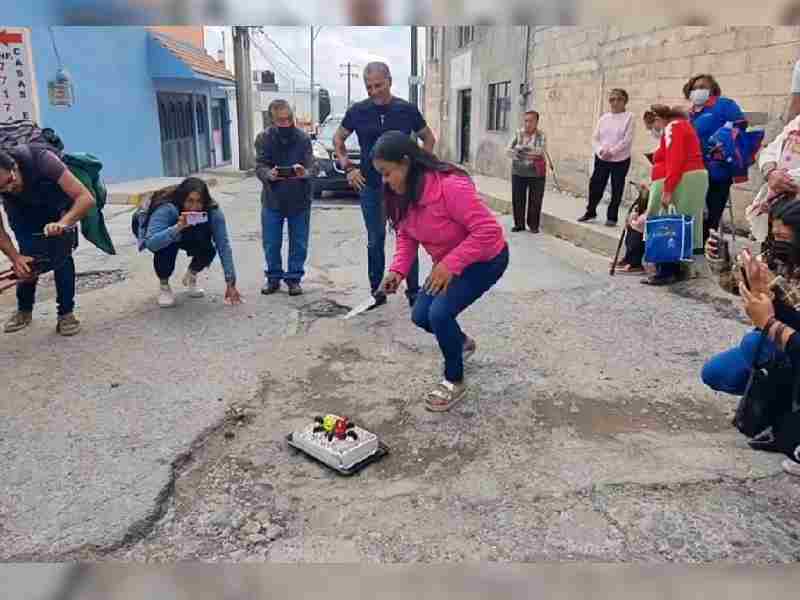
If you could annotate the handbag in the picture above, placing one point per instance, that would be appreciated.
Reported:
(669, 238)
(769, 395)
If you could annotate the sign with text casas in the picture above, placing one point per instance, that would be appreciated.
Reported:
(18, 98)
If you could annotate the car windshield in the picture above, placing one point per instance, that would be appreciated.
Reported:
(328, 130)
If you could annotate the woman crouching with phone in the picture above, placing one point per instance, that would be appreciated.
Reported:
(185, 217)
(435, 204)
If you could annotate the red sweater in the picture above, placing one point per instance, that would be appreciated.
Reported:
(678, 153)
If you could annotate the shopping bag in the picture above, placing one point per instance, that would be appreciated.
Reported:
(669, 238)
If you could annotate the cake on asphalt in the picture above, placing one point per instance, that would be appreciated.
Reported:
(336, 441)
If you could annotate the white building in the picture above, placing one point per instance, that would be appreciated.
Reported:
(218, 42)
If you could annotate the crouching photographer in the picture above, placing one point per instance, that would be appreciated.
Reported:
(763, 367)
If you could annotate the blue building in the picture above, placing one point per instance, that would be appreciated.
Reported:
(146, 103)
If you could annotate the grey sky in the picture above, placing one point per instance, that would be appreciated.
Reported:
(337, 45)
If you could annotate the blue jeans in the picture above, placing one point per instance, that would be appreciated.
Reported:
(375, 222)
(729, 371)
(437, 314)
(272, 239)
(58, 252)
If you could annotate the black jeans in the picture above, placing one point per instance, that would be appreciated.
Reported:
(716, 200)
(604, 169)
(201, 252)
(634, 247)
(527, 192)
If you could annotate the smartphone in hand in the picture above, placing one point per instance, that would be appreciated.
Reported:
(285, 172)
(196, 218)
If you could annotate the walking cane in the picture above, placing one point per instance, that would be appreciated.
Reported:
(622, 236)
(553, 169)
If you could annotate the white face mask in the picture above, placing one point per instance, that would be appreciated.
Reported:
(699, 97)
(656, 133)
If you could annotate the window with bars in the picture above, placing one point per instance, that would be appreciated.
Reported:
(466, 34)
(499, 106)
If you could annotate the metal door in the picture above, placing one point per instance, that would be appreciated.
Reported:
(176, 120)
(201, 108)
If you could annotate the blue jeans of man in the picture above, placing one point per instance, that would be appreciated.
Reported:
(729, 371)
(58, 252)
(375, 221)
(437, 314)
(272, 238)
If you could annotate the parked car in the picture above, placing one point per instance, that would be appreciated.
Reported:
(327, 174)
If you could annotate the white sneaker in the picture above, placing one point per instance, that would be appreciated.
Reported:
(166, 298)
(190, 281)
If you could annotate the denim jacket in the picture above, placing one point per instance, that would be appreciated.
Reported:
(162, 231)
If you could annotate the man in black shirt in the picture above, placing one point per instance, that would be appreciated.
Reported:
(369, 119)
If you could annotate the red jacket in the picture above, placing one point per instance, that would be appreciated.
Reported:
(678, 153)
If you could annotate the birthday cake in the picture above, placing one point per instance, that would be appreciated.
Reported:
(336, 441)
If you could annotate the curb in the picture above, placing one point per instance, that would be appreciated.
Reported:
(584, 236)
(136, 198)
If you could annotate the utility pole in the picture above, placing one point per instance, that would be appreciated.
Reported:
(350, 75)
(412, 88)
(244, 96)
(314, 33)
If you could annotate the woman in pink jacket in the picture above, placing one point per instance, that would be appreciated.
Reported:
(435, 204)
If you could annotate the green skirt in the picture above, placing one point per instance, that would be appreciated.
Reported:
(689, 199)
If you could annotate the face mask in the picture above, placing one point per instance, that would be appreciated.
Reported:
(699, 97)
(656, 133)
(784, 252)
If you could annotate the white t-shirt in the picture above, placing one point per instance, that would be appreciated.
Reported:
(796, 78)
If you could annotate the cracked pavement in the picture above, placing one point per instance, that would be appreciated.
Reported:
(159, 435)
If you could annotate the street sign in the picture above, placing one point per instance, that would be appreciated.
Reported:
(17, 81)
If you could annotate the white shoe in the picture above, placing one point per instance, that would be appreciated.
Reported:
(190, 281)
(166, 298)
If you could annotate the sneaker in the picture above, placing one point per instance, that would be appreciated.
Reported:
(68, 325)
(517, 228)
(166, 298)
(610, 223)
(469, 348)
(19, 320)
(294, 288)
(587, 217)
(190, 282)
(270, 287)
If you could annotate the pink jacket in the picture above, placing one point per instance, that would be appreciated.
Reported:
(452, 224)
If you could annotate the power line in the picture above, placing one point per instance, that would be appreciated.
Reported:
(282, 51)
(271, 62)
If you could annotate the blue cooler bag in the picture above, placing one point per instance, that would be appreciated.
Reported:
(669, 238)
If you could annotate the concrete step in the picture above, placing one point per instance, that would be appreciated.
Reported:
(135, 192)
(560, 213)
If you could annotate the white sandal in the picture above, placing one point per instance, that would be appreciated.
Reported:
(445, 396)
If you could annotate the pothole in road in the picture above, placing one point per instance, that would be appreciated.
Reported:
(90, 280)
(724, 307)
(323, 309)
(593, 418)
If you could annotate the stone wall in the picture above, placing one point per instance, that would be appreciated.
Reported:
(572, 70)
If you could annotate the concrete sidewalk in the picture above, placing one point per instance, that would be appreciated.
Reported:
(133, 193)
(560, 212)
